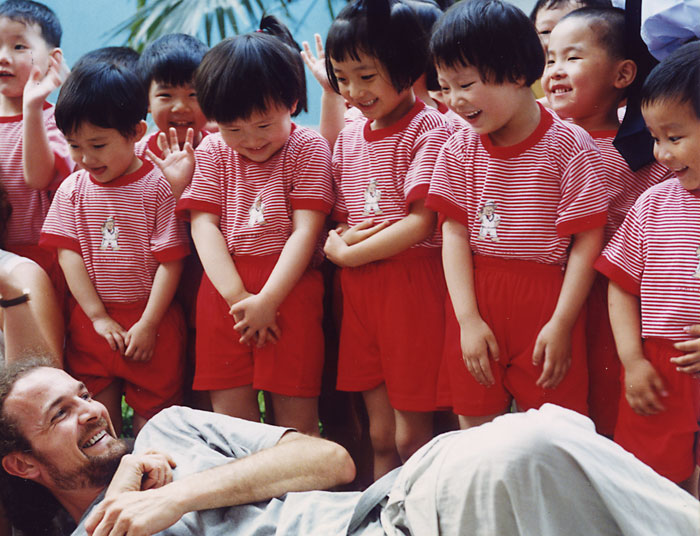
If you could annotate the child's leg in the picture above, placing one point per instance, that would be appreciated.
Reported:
(691, 484)
(297, 412)
(413, 430)
(111, 398)
(241, 402)
(382, 430)
(467, 421)
(137, 423)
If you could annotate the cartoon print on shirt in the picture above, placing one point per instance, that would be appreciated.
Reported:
(110, 234)
(489, 220)
(257, 213)
(697, 270)
(372, 197)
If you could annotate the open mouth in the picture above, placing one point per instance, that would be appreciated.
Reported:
(94, 439)
(180, 124)
(469, 116)
(367, 104)
(560, 90)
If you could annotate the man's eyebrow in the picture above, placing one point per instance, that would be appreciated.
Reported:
(80, 387)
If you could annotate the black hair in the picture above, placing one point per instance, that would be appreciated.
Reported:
(554, 4)
(388, 30)
(29, 506)
(428, 13)
(123, 56)
(31, 12)
(171, 60)
(676, 78)
(493, 36)
(104, 94)
(249, 73)
(608, 25)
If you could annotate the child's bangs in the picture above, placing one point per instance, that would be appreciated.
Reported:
(174, 72)
(347, 40)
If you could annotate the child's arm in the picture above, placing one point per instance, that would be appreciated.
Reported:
(258, 311)
(332, 104)
(140, 340)
(177, 165)
(476, 338)
(38, 158)
(85, 294)
(643, 386)
(397, 237)
(554, 340)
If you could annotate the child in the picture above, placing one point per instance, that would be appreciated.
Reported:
(392, 281)
(119, 245)
(258, 200)
(33, 154)
(547, 13)
(517, 323)
(585, 79)
(123, 56)
(652, 263)
(167, 66)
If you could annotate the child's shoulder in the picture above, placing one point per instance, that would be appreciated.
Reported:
(304, 136)
(566, 139)
(667, 190)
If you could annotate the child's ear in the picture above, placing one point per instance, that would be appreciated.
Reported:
(56, 54)
(140, 130)
(293, 109)
(21, 464)
(626, 73)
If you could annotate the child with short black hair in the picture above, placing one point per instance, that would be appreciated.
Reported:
(33, 154)
(124, 56)
(654, 270)
(120, 247)
(586, 77)
(258, 200)
(167, 66)
(386, 243)
(523, 204)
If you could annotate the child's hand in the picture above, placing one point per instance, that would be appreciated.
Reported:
(644, 387)
(478, 344)
(256, 318)
(109, 329)
(690, 362)
(39, 87)
(140, 341)
(177, 164)
(361, 231)
(316, 64)
(335, 248)
(554, 345)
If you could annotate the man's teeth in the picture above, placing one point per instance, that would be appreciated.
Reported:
(94, 439)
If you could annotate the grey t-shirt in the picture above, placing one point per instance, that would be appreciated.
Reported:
(199, 440)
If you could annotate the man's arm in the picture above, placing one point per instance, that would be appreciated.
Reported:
(296, 463)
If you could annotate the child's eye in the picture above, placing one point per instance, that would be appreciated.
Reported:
(340, 80)
(550, 62)
(466, 86)
(163, 95)
(674, 139)
(86, 396)
(20, 47)
(367, 76)
(98, 146)
(572, 58)
(445, 89)
(264, 126)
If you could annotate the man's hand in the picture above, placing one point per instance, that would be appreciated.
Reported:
(554, 345)
(479, 345)
(140, 341)
(115, 335)
(135, 513)
(177, 164)
(138, 472)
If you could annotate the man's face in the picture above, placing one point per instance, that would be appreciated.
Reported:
(72, 438)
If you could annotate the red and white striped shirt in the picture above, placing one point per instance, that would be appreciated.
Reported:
(624, 185)
(255, 201)
(122, 229)
(656, 255)
(522, 201)
(379, 173)
(29, 206)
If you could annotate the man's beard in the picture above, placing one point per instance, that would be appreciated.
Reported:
(96, 472)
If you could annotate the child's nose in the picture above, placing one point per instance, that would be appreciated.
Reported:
(180, 105)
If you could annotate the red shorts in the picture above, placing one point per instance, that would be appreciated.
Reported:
(664, 441)
(292, 366)
(392, 330)
(149, 386)
(603, 362)
(516, 299)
